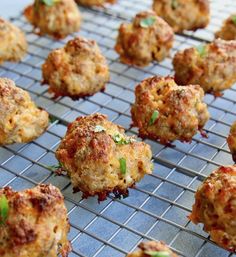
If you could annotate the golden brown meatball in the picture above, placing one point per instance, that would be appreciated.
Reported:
(100, 158)
(212, 66)
(146, 39)
(183, 14)
(58, 19)
(228, 30)
(13, 45)
(34, 223)
(151, 249)
(20, 120)
(76, 70)
(166, 112)
(215, 207)
(232, 141)
(95, 2)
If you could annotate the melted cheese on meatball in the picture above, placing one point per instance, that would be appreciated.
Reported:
(58, 20)
(215, 207)
(212, 66)
(100, 158)
(13, 45)
(76, 70)
(183, 14)
(147, 38)
(20, 120)
(152, 248)
(165, 111)
(36, 223)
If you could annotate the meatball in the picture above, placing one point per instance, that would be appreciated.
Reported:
(95, 2)
(215, 207)
(151, 249)
(100, 158)
(20, 120)
(33, 223)
(183, 15)
(146, 39)
(76, 70)
(212, 66)
(228, 30)
(13, 45)
(232, 141)
(166, 112)
(55, 18)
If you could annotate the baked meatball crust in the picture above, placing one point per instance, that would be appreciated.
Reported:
(166, 112)
(95, 2)
(183, 14)
(13, 45)
(146, 39)
(215, 207)
(212, 66)
(20, 120)
(228, 30)
(76, 70)
(58, 20)
(150, 248)
(36, 224)
(100, 158)
(232, 141)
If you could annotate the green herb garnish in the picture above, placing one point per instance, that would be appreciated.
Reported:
(4, 209)
(49, 2)
(55, 168)
(122, 165)
(201, 50)
(174, 4)
(52, 119)
(147, 22)
(234, 19)
(119, 140)
(158, 253)
(154, 117)
(99, 128)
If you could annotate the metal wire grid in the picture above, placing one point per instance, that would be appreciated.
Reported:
(158, 207)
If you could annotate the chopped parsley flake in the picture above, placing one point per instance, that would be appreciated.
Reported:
(147, 22)
(201, 50)
(4, 209)
(154, 117)
(122, 165)
(99, 128)
(158, 253)
(234, 19)
(174, 4)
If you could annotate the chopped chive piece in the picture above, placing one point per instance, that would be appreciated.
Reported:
(147, 22)
(49, 2)
(234, 19)
(4, 209)
(158, 253)
(119, 140)
(122, 165)
(152, 166)
(174, 4)
(99, 128)
(201, 50)
(54, 168)
(154, 117)
(52, 119)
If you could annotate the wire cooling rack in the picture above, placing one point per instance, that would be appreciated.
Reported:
(158, 207)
